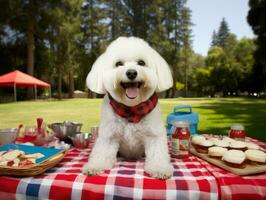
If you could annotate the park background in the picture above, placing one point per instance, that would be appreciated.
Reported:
(58, 41)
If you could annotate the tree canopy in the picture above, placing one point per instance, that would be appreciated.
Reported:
(58, 41)
(257, 20)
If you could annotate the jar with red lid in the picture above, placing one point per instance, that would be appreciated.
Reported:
(180, 140)
(237, 132)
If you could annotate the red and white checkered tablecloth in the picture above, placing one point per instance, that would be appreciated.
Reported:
(193, 179)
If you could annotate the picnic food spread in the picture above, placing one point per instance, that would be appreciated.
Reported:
(190, 171)
(236, 156)
(193, 177)
(34, 150)
(18, 158)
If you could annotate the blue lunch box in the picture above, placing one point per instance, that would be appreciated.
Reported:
(177, 115)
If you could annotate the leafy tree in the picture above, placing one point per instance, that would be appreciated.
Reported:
(178, 39)
(203, 85)
(179, 86)
(165, 24)
(244, 56)
(231, 66)
(228, 63)
(219, 37)
(187, 42)
(217, 62)
(214, 41)
(230, 44)
(94, 26)
(197, 62)
(67, 34)
(128, 18)
(257, 20)
(23, 17)
(137, 17)
(222, 33)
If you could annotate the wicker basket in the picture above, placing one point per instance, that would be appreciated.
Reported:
(32, 170)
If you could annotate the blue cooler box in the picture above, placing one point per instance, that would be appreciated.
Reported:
(177, 115)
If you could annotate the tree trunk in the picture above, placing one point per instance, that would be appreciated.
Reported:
(59, 89)
(30, 45)
(168, 93)
(186, 76)
(175, 53)
(173, 89)
(71, 84)
(114, 24)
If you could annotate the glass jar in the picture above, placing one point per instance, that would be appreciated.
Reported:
(237, 132)
(30, 133)
(180, 140)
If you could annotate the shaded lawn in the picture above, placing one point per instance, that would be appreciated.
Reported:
(216, 114)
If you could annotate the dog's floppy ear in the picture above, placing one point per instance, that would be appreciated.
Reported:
(164, 75)
(95, 77)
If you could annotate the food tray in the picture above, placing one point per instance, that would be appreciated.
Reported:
(50, 159)
(248, 170)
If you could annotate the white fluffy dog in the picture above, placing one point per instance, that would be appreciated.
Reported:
(130, 72)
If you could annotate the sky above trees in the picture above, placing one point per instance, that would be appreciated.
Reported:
(207, 15)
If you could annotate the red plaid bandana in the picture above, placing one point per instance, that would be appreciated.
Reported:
(134, 113)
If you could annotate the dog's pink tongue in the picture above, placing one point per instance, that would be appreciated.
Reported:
(132, 92)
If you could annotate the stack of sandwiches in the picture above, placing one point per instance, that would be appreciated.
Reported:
(233, 153)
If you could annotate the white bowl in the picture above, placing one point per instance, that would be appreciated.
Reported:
(8, 135)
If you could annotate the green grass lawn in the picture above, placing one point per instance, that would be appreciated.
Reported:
(216, 114)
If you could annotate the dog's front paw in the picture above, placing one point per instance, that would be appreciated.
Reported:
(90, 170)
(159, 171)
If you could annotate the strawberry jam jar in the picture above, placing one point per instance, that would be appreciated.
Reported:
(237, 132)
(180, 140)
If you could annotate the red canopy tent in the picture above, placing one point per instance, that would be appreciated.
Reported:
(19, 79)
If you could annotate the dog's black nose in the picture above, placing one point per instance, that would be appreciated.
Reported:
(131, 74)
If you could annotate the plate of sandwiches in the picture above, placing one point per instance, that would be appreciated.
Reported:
(24, 160)
(238, 157)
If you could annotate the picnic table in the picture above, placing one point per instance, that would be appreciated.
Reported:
(193, 179)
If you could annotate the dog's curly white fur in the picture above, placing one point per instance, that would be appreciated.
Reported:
(116, 134)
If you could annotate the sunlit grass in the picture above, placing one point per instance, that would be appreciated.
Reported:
(216, 114)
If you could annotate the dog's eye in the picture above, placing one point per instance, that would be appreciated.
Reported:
(141, 63)
(119, 63)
